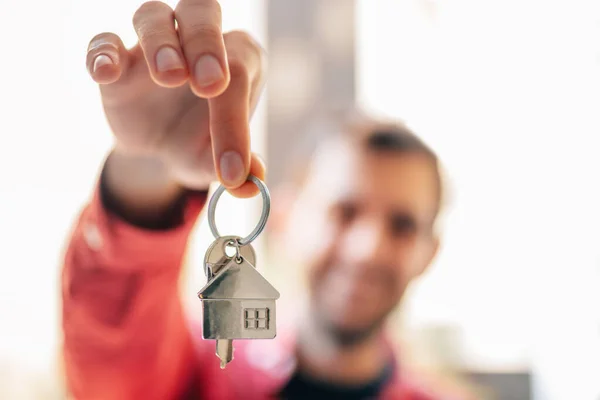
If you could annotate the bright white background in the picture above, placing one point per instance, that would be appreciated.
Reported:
(507, 92)
(53, 140)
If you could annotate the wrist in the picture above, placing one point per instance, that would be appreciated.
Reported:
(140, 189)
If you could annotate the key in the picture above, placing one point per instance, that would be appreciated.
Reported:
(237, 301)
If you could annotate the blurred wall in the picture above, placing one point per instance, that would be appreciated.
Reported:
(508, 92)
(311, 69)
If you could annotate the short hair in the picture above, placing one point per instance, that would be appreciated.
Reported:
(373, 134)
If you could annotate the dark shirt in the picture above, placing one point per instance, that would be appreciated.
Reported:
(301, 386)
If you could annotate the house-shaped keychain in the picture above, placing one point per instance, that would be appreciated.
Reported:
(238, 303)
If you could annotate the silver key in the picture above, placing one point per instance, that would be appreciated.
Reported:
(237, 301)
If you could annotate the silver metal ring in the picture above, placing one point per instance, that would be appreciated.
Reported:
(266, 209)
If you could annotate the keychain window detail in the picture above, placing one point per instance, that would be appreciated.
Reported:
(256, 318)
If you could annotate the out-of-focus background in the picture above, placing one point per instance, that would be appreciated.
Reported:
(508, 93)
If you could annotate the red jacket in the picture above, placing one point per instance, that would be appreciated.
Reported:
(125, 332)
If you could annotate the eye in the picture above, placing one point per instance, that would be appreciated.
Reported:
(402, 225)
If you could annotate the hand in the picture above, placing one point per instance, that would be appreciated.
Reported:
(183, 96)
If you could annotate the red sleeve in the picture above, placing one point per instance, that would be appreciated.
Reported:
(125, 333)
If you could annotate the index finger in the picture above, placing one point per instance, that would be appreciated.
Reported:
(199, 28)
(230, 112)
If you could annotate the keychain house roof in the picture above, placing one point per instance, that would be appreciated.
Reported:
(238, 303)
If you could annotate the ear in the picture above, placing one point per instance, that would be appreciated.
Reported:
(282, 199)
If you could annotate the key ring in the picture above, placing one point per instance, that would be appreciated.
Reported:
(266, 209)
(236, 244)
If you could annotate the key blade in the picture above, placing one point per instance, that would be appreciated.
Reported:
(224, 351)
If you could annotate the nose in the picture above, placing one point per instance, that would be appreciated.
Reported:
(365, 242)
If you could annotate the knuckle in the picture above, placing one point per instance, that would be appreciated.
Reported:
(216, 9)
(244, 43)
(148, 10)
(246, 57)
(153, 33)
(241, 37)
(239, 71)
(201, 33)
(211, 31)
(201, 7)
(199, 17)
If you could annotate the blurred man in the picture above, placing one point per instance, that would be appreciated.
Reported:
(362, 221)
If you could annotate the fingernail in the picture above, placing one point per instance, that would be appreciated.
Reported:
(167, 59)
(101, 60)
(232, 168)
(208, 70)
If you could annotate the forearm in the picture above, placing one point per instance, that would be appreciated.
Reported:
(125, 335)
(134, 345)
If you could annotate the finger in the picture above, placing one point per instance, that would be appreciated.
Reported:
(249, 189)
(107, 58)
(230, 112)
(199, 24)
(154, 23)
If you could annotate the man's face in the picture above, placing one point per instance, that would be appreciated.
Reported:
(362, 226)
